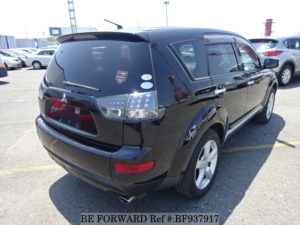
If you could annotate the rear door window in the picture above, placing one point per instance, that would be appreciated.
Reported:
(192, 55)
(221, 59)
(292, 43)
(110, 65)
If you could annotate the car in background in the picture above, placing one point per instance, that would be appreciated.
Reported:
(11, 62)
(3, 70)
(10, 53)
(40, 58)
(28, 50)
(286, 50)
(50, 47)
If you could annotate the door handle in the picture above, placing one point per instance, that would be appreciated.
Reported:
(220, 91)
(251, 82)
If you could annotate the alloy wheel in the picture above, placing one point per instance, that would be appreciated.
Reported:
(206, 164)
(286, 75)
(270, 105)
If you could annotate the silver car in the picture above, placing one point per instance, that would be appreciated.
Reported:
(11, 62)
(286, 50)
(40, 58)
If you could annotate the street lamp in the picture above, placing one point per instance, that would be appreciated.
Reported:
(167, 3)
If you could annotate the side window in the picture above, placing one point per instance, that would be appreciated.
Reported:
(51, 52)
(249, 59)
(221, 59)
(42, 53)
(192, 55)
(292, 43)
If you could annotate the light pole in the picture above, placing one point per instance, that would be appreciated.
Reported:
(167, 3)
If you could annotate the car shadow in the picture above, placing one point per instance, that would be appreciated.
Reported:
(4, 82)
(236, 173)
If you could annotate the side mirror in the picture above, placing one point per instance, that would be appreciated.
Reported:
(270, 63)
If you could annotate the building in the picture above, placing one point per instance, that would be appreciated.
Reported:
(7, 41)
(59, 31)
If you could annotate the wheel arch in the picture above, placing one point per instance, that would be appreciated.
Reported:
(290, 63)
(36, 61)
(207, 118)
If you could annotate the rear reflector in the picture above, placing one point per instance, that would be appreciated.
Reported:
(134, 168)
(273, 53)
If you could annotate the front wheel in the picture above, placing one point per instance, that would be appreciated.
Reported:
(36, 65)
(265, 115)
(202, 168)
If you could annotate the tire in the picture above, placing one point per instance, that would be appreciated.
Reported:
(198, 167)
(285, 75)
(36, 65)
(265, 115)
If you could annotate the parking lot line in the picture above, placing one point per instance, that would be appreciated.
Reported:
(291, 144)
(29, 169)
(16, 121)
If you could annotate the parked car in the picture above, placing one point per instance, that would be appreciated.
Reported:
(3, 70)
(137, 111)
(10, 53)
(28, 50)
(286, 50)
(40, 58)
(11, 62)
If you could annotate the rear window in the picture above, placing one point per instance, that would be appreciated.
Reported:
(262, 44)
(109, 65)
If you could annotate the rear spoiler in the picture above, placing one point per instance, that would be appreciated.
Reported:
(103, 36)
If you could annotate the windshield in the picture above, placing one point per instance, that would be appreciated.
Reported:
(262, 44)
(112, 65)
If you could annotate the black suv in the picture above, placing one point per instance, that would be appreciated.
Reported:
(141, 110)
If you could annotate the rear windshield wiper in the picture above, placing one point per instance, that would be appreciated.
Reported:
(69, 83)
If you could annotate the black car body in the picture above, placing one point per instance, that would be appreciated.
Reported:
(125, 110)
(3, 70)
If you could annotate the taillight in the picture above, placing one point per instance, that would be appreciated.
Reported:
(273, 53)
(136, 106)
(133, 168)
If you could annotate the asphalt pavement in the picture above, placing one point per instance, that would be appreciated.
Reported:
(258, 181)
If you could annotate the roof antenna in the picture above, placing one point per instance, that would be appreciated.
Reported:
(119, 27)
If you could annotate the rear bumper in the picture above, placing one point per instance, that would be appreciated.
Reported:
(14, 64)
(95, 166)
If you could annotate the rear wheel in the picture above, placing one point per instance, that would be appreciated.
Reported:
(36, 65)
(265, 115)
(202, 168)
(285, 75)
